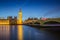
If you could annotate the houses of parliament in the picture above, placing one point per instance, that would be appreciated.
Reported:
(11, 20)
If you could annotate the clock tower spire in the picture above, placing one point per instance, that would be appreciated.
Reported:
(20, 17)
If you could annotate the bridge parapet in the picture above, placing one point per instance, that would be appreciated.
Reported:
(49, 19)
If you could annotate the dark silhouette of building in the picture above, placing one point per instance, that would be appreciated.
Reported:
(12, 20)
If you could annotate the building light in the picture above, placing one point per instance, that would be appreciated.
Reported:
(43, 19)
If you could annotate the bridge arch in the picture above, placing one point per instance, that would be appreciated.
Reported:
(51, 22)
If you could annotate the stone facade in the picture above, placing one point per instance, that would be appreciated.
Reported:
(9, 20)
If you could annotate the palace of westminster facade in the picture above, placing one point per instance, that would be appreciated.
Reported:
(11, 20)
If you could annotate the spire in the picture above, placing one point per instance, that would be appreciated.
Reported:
(20, 17)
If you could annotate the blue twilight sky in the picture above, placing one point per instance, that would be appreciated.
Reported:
(30, 8)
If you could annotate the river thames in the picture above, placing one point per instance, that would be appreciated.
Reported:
(10, 32)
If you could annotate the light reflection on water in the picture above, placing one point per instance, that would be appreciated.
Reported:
(4, 32)
(22, 32)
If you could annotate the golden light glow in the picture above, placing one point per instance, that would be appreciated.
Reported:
(20, 32)
(4, 21)
(19, 17)
(20, 28)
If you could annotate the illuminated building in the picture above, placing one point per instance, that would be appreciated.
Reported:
(19, 21)
(11, 20)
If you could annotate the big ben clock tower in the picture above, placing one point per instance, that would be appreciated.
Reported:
(20, 17)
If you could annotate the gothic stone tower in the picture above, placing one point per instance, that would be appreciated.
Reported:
(20, 17)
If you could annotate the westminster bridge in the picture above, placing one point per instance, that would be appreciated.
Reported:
(42, 21)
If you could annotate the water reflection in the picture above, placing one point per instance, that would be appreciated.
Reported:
(22, 32)
(13, 32)
(4, 32)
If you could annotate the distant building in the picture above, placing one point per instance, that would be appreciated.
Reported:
(11, 20)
